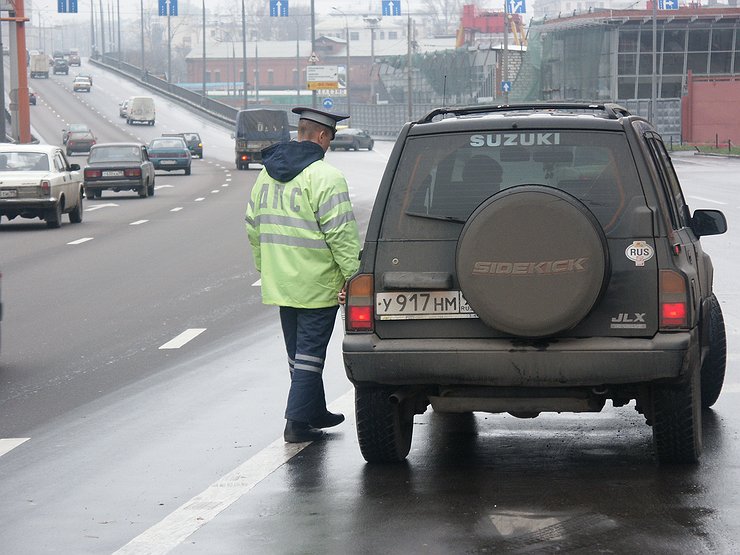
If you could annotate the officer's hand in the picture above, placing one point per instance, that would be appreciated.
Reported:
(342, 296)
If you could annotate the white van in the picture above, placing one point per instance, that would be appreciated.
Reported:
(140, 109)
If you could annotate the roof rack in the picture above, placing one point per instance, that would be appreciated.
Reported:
(610, 110)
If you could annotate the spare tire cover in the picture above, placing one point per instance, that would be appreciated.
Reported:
(532, 261)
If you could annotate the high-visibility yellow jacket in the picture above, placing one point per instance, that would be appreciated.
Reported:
(301, 227)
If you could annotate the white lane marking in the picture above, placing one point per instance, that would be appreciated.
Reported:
(702, 199)
(80, 241)
(228, 179)
(171, 531)
(200, 199)
(164, 186)
(257, 283)
(183, 338)
(215, 191)
(99, 206)
(225, 185)
(10, 443)
(138, 222)
(176, 209)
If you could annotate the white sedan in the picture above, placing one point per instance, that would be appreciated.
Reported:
(37, 181)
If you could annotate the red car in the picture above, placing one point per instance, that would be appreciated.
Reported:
(80, 141)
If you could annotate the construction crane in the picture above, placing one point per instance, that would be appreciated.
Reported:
(474, 22)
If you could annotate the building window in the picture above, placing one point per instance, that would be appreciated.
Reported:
(381, 35)
(628, 41)
(697, 62)
(217, 75)
(675, 41)
(270, 77)
(208, 76)
(698, 40)
(354, 35)
(392, 35)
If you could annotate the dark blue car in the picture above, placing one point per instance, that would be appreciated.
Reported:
(170, 154)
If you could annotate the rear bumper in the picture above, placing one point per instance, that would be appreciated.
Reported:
(178, 165)
(515, 363)
(30, 208)
(120, 184)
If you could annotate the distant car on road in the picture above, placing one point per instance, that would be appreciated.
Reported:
(193, 141)
(61, 66)
(351, 138)
(73, 128)
(31, 97)
(119, 167)
(80, 141)
(123, 108)
(170, 154)
(74, 57)
(37, 181)
(81, 84)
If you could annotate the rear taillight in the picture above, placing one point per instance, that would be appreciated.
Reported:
(360, 305)
(674, 306)
(45, 187)
(132, 172)
(92, 173)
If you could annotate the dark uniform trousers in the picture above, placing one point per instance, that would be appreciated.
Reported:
(306, 332)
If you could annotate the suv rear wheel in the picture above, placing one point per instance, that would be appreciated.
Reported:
(713, 369)
(384, 427)
(676, 422)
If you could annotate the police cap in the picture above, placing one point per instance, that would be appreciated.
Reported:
(319, 116)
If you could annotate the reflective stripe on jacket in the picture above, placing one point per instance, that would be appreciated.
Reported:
(304, 236)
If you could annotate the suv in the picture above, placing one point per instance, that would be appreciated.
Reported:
(61, 66)
(528, 259)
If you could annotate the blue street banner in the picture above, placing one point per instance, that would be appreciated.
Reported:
(278, 8)
(66, 6)
(62, 6)
(516, 6)
(391, 7)
(667, 4)
(72, 6)
(163, 7)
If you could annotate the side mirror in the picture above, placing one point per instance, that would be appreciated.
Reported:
(708, 222)
(74, 167)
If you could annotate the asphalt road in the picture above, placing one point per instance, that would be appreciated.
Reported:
(111, 443)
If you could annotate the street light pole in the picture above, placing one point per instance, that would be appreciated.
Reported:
(141, 32)
(205, 92)
(245, 81)
(346, 32)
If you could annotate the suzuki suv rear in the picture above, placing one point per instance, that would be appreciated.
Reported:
(528, 259)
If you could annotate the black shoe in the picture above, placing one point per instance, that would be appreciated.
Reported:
(327, 420)
(300, 432)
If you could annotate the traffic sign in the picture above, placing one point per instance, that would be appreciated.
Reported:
(313, 58)
(67, 6)
(278, 8)
(328, 103)
(516, 6)
(391, 7)
(163, 4)
(505, 86)
(667, 4)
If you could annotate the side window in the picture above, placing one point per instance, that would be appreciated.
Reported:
(144, 154)
(671, 189)
(60, 164)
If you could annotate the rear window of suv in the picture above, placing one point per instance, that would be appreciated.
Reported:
(443, 178)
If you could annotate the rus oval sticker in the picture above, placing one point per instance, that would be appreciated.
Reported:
(639, 252)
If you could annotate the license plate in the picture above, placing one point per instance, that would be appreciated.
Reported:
(113, 173)
(422, 305)
(168, 162)
(9, 193)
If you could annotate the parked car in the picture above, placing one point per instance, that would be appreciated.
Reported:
(37, 181)
(351, 138)
(73, 128)
(119, 167)
(123, 108)
(31, 97)
(61, 66)
(193, 141)
(170, 154)
(80, 141)
(529, 259)
(81, 84)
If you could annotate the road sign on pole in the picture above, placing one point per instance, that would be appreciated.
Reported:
(328, 103)
(391, 7)
(505, 86)
(66, 6)
(163, 7)
(278, 8)
(516, 6)
(668, 4)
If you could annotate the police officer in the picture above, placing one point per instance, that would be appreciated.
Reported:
(305, 245)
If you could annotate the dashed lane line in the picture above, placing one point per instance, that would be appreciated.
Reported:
(176, 209)
(200, 199)
(257, 283)
(99, 206)
(138, 222)
(182, 339)
(80, 241)
(175, 528)
(10, 443)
